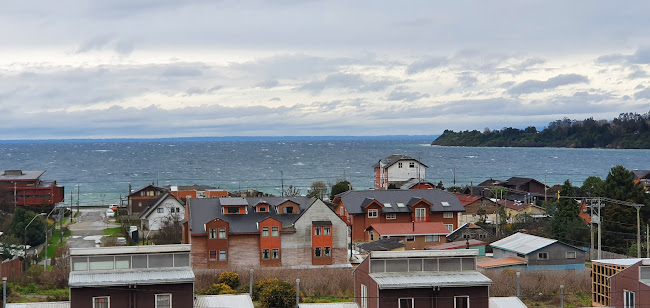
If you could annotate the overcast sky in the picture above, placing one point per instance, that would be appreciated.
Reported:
(160, 68)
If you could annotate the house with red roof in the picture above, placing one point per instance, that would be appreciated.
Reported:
(414, 235)
(477, 208)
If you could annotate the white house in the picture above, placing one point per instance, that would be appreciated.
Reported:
(398, 169)
(162, 208)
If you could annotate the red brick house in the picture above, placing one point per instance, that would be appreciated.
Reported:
(413, 235)
(270, 231)
(362, 208)
(422, 278)
(631, 286)
(197, 191)
(397, 170)
(27, 189)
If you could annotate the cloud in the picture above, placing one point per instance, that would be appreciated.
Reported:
(425, 64)
(267, 84)
(532, 86)
(467, 79)
(401, 95)
(643, 94)
(202, 91)
(641, 56)
(353, 82)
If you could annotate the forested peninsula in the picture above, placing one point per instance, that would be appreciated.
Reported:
(627, 131)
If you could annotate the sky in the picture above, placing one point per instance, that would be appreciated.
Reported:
(161, 68)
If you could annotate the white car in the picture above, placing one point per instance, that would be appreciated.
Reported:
(110, 213)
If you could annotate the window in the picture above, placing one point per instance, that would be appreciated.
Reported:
(570, 254)
(372, 236)
(275, 253)
(163, 301)
(461, 301)
(364, 296)
(481, 236)
(172, 210)
(233, 210)
(444, 203)
(466, 236)
(288, 210)
(213, 255)
(160, 210)
(448, 215)
(628, 299)
(275, 231)
(317, 252)
(542, 256)
(411, 165)
(316, 230)
(265, 231)
(420, 214)
(405, 302)
(341, 210)
(449, 227)
(391, 216)
(223, 256)
(265, 253)
(102, 302)
(213, 233)
(410, 238)
(222, 233)
(327, 230)
(399, 165)
(327, 251)
(178, 210)
(372, 213)
(261, 209)
(432, 238)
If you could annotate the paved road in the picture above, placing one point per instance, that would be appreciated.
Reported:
(89, 227)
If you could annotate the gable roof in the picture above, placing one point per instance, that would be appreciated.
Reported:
(391, 160)
(410, 228)
(160, 189)
(384, 244)
(523, 243)
(157, 202)
(413, 182)
(641, 174)
(399, 199)
(466, 200)
(203, 210)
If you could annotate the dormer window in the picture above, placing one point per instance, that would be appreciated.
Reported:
(288, 210)
(411, 165)
(233, 210)
(262, 209)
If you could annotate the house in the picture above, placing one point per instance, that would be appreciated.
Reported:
(417, 184)
(382, 244)
(470, 231)
(525, 184)
(518, 211)
(461, 244)
(421, 278)
(602, 271)
(540, 253)
(477, 208)
(165, 207)
(27, 189)
(131, 276)
(413, 235)
(397, 169)
(362, 208)
(139, 200)
(642, 177)
(197, 191)
(269, 231)
(631, 286)
(526, 190)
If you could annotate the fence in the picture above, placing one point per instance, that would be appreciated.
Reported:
(11, 268)
(606, 255)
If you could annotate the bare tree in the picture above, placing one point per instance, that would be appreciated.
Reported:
(292, 191)
(318, 190)
(170, 232)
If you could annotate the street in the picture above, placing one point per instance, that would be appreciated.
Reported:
(89, 227)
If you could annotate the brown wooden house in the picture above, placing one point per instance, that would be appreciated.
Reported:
(141, 199)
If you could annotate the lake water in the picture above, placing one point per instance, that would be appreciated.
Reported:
(103, 170)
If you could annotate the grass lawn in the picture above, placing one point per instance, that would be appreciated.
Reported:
(114, 232)
(54, 242)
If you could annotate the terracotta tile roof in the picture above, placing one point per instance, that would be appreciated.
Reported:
(408, 228)
(492, 263)
(465, 200)
(474, 226)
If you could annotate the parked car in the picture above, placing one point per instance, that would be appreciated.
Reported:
(110, 213)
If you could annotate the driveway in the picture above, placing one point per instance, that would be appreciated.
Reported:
(88, 227)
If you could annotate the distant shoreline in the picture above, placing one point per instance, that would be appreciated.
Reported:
(228, 138)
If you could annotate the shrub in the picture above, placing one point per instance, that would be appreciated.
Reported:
(260, 285)
(220, 288)
(229, 278)
(277, 294)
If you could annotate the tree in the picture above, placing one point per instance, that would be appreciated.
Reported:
(35, 234)
(566, 223)
(220, 288)
(592, 187)
(340, 187)
(318, 189)
(291, 191)
(170, 231)
(229, 278)
(440, 186)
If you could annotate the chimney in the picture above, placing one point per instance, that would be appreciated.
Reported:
(413, 223)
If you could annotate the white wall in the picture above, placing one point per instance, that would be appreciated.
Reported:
(155, 219)
(405, 173)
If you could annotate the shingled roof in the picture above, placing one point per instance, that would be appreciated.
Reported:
(399, 200)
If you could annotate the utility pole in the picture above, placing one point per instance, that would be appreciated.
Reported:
(591, 230)
(282, 182)
(77, 198)
(647, 241)
(638, 232)
(600, 231)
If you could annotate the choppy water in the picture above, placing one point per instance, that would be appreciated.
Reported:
(103, 170)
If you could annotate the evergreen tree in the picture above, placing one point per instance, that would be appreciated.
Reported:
(566, 223)
(339, 187)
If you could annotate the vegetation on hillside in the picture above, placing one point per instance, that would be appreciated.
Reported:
(627, 131)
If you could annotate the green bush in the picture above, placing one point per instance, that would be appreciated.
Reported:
(277, 294)
(229, 278)
(220, 288)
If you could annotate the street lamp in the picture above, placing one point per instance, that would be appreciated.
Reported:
(47, 225)
(25, 234)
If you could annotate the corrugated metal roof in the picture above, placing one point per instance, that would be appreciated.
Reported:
(403, 280)
(423, 253)
(224, 301)
(233, 201)
(24, 175)
(492, 263)
(329, 305)
(506, 302)
(622, 262)
(522, 243)
(124, 277)
(130, 250)
(40, 305)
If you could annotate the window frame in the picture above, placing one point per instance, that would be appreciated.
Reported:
(222, 231)
(327, 230)
(448, 215)
(317, 231)
(373, 213)
(542, 252)
(327, 251)
(412, 165)
(450, 227)
(399, 165)
(399, 302)
(107, 297)
(575, 255)
(436, 237)
(275, 253)
(391, 216)
(627, 298)
(210, 253)
(160, 210)
(265, 232)
(230, 211)
(364, 296)
(225, 253)
(462, 296)
(266, 252)
(318, 252)
(212, 233)
(163, 294)
(409, 238)
(275, 231)
(418, 214)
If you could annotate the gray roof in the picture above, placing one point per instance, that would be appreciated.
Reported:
(159, 201)
(224, 300)
(40, 305)
(403, 280)
(412, 182)
(203, 210)
(391, 160)
(385, 244)
(233, 201)
(640, 174)
(506, 302)
(522, 243)
(161, 189)
(9, 175)
(125, 277)
(355, 200)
